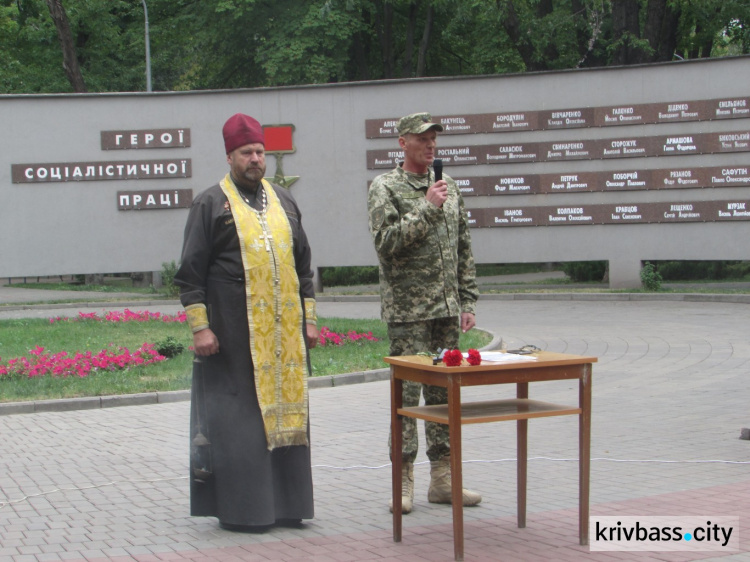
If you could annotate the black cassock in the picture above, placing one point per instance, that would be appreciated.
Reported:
(249, 485)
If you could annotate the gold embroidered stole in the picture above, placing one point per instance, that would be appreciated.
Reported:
(274, 315)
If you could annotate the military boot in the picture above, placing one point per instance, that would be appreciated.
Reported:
(407, 488)
(440, 484)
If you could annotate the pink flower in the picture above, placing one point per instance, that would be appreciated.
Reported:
(125, 316)
(327, 337)
(81, 364)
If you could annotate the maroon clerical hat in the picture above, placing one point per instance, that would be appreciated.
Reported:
(241, 129)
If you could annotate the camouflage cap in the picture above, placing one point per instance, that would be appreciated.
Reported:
(417, 123)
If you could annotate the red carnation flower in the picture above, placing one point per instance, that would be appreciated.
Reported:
(474, 357)
(453, 357)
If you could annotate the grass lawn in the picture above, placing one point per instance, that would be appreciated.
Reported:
(19, 337)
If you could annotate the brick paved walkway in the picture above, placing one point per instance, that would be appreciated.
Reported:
(670, 398)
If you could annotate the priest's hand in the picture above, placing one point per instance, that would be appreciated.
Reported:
(312, 334)
(205, 342)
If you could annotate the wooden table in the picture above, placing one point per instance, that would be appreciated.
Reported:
(547, 367)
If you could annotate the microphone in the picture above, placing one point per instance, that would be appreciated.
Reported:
(437, 165)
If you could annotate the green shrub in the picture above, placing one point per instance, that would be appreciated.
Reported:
(738, 269)
(368, 274)
(650, 278)
(491, 269)
(694, 270)
(353, 275)
(583, 271)
(169, 347)
(168, 271)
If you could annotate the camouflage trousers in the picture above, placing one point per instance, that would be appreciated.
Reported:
(410, 338)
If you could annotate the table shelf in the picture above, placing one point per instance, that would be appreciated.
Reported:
(492, 411)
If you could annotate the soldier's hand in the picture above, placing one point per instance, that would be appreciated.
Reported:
(205, 342)
(437, 193)
(468, 321)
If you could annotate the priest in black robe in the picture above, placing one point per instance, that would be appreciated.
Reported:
(246, 283)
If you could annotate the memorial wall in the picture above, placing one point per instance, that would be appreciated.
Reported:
(633, 178)
(639, 163)
(621, 172)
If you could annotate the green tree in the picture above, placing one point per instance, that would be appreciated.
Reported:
(548, 34)
(30, 57)
(224, 44)
(105, 39)
(661, 30)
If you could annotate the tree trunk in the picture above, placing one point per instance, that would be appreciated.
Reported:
(582, 38)
(512, 27)
(655, 14)
(669, 30)
(551, 54)
(425, 42)
(625, 28)
(661, 30)
(70, 60)
(544, 8)
(409, 47)
(695, 48)
(384, 22)
(360, 58)
(707, 46)
(588, 34)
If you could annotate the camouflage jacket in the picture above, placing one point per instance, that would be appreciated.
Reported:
(426, 264)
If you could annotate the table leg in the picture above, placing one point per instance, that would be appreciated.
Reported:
(397, 401)
(522, 454)
(584, 446)
(457, 497)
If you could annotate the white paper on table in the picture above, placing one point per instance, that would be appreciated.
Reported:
(502, 357)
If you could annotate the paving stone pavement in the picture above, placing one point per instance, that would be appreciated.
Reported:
(670, 396)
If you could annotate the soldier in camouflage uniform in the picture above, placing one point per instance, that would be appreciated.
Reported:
(427, 283)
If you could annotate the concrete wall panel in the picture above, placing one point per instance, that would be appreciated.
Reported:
(75, 227)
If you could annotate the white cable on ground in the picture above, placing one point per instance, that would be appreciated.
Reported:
(539, 458)
(81, 488)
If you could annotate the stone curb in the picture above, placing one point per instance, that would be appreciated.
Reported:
(88, 304)
(632, 297)
(739, 298)
(349, 378)
(347, 298)
(93, 402)
(152, 302)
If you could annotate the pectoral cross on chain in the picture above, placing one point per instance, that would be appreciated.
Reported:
(267, 237)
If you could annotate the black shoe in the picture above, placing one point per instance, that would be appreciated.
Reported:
(244, 528)
(293, 523)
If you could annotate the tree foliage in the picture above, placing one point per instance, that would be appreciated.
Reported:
(220, 44)
(107, 38)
